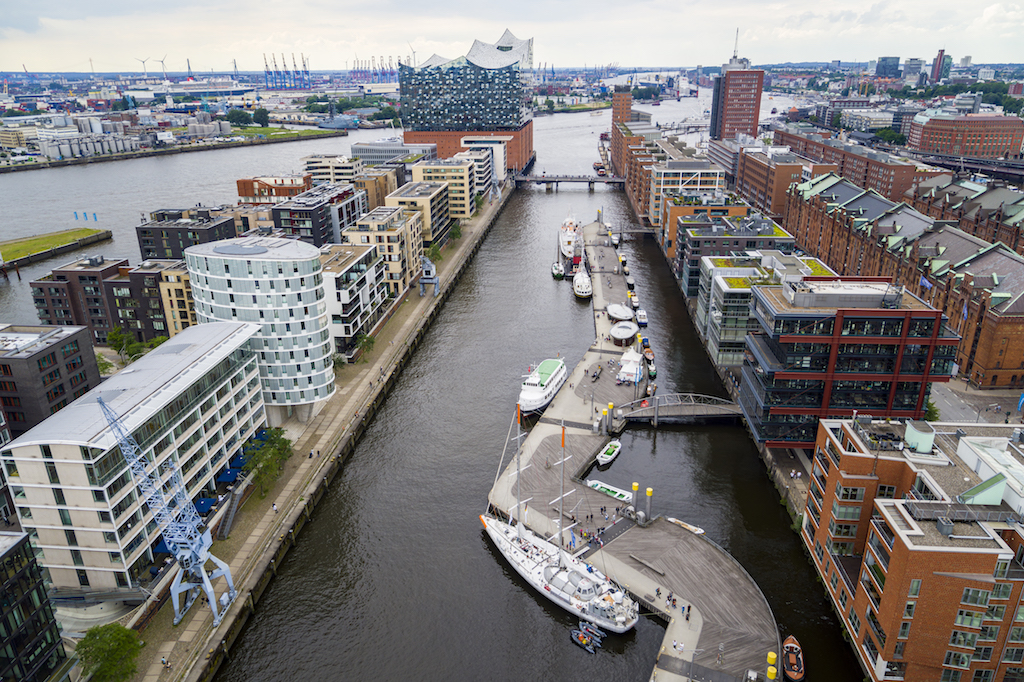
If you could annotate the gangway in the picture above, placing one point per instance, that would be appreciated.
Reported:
(181, 525)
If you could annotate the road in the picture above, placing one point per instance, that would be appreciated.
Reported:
(961, 404)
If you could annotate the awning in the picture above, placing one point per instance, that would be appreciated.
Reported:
(237, 462)
(228, 475)
(204, 504)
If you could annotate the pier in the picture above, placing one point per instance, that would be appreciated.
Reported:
(721, 620)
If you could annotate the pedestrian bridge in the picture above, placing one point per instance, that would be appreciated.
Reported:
(673, 407)
(549, 180)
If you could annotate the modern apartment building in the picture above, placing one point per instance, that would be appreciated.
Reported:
(679, 175)
(398, 235)
(484, 93)
(707, 234)
(688, 204)
(273, 189)
(459, 175)
(377, 182)
(190, 404)
(914, 529)
(430, 200)
(393, 150)
(358, 296)
(176, 298)
(29, 637)
(168, 237)
(332, 169)
(73, 294)
(278, 285)
(319, 215)
(736, 101)
(723, 317)
(43, 369)
(135, 299)
(482, 159)
(835, 347)
(497, 147)
(987, 136)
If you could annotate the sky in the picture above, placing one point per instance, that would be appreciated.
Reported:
(63, 35)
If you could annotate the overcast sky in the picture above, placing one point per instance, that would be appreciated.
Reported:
(62, 35)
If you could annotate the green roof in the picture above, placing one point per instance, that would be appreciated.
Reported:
(546, 369)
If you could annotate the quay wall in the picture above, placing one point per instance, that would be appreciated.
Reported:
(58, 250)
(252, 586)
(164, 151)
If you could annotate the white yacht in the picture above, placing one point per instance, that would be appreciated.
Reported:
(567, 236)
(581, 285)
(542, 384)
(641, 317)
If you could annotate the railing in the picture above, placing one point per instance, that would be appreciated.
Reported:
(674, 404)
(955, 511)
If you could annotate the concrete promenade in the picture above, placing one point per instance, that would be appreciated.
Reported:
(721, 623)
(261, 536)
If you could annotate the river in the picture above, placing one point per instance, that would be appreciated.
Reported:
(395, 578)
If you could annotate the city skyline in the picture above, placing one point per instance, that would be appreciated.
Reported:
(63, 36)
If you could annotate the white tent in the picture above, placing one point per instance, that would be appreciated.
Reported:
(632, 367)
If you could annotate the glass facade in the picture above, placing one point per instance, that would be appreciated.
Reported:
(460, 95)
(30, 649)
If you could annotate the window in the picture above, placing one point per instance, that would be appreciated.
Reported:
(83, 578)
(834, 580)
(957, 659)
(989, 633)
(950, 676)
(854, 494)
(1013, 655)
(982, 653)
(904, 630)
(983, 675)
(973, 596)
(1001, 591)
(842, 599)
(854, 624)
(962, 638)
(915, 587)
(971, 619)
(995, 612)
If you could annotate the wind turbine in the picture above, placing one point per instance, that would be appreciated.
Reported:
(163, 66)
(144, 73)
(413, 55)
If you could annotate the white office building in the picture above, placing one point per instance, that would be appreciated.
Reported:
(277, 284)
(191, 403)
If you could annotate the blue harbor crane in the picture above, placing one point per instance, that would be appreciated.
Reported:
(182, 527)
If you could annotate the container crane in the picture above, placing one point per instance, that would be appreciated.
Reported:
(182, 527)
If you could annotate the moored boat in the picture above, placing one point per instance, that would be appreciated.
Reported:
(591, 630)
(567, 236)
(635, 302)
(582, 640)
(542, 384)
(652, 371)
(696, 530)
(557, 270)
(641, 317)
(792, 660)
(581, 285)
(610, 490)
(609, 452)
(630, 283)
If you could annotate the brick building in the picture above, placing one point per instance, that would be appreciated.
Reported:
(987, 136)
(272, 189)
(73, 295)
(888, 175)
(914, 530)
(736, 100)
(685, 204)
(763, 177)
(991, 211)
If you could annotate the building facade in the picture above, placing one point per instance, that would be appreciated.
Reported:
(430, 200)
(392, 150)
(43, 369)
(736, 100)
(73, 294)
(914, 530)
(273, 189)
(190, 404)
(459, 175)
(835, 347)
(30, 642)
(358, 297)
(482, 93)
(332, 169)
(398, 234)
(319, 215)
(169, 237)
(278, 285)
(987, 136)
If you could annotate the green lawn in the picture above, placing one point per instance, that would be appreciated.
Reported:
(253, 131)
(17, 248)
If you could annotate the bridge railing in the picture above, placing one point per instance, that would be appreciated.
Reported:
(646, 405)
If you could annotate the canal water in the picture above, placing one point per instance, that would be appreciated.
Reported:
(395, 578)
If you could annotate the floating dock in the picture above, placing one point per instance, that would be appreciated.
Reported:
(722, 623)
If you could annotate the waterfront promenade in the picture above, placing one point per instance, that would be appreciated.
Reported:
(730, 628)
(261, 536)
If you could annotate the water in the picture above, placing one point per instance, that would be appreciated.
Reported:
(395, 578)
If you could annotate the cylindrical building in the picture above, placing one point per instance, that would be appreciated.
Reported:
(277, 284)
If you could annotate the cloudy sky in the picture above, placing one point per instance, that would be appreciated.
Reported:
(62, 35)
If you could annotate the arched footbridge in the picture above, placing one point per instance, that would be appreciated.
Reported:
(675, 407)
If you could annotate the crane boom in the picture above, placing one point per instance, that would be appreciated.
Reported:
(179, 522)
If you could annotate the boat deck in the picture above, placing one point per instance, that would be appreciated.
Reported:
(730, 625)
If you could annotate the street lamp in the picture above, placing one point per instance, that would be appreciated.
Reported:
(693, 656)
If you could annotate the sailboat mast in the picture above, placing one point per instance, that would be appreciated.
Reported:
(561, 498)
(519, 484)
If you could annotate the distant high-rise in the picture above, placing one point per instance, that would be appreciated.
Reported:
(888, 67)
(937, 66)
(736, 102)
(912, 69)
(965, 62)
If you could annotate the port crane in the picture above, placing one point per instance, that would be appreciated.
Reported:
(182, 527)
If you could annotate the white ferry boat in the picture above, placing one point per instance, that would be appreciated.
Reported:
(542, 384)
(567, 236)
(581, 285)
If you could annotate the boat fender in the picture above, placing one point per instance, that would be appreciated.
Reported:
(644, 404)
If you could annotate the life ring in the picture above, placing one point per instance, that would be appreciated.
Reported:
(644, 404)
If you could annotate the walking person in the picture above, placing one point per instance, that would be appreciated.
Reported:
(274, 506)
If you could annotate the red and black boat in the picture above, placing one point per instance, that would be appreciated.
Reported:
(792, 660)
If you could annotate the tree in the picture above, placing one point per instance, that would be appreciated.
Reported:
(239, 117)
(456, 231)
(931, 412)
(434, 254)
(118, 340)
(836, 118)
(105, 366)
(891, 136)
(364, 343)
(108, 652)
(265, 459)
(549, 104)
(261, 116)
